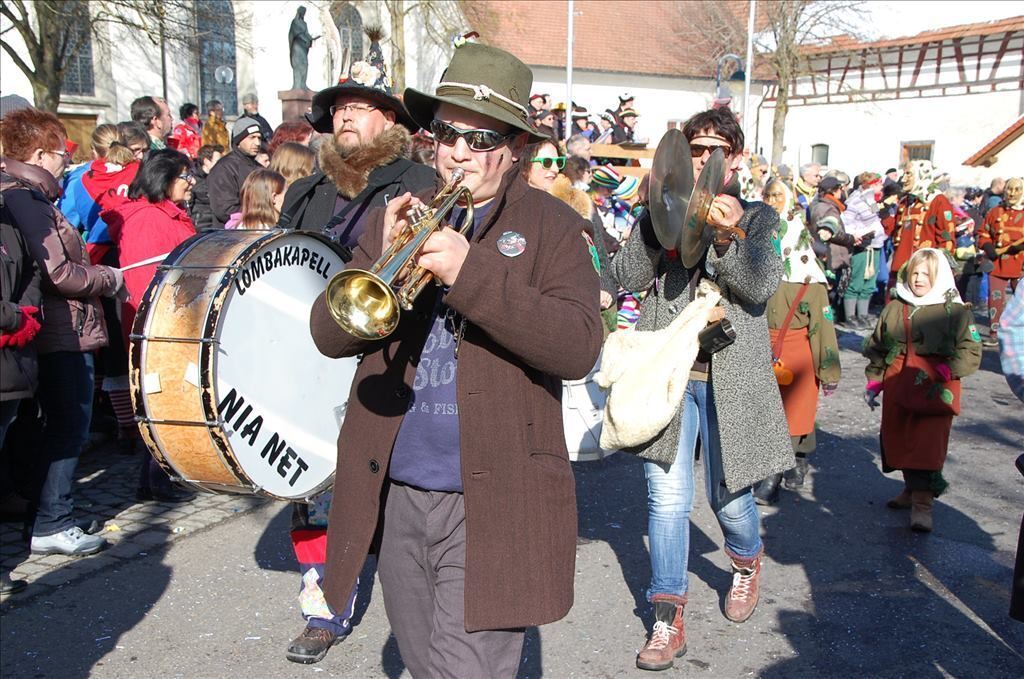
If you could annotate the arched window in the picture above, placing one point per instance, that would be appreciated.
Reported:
(350, 28)
(215, 26)
(78, 74)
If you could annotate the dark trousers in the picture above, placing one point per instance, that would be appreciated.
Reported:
(422, 569)
(65, 395)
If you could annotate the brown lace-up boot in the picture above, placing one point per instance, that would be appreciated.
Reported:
(668, 638)
(742, 598)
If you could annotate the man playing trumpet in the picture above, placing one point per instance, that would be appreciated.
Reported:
(452, 446)
(731, 401)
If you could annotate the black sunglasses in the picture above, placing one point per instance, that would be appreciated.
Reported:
(697, 150)
(477, 140)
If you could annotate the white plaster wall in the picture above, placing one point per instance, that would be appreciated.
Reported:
(1009, 162)
(867, 135)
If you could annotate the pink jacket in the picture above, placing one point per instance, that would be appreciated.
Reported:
(72, 318)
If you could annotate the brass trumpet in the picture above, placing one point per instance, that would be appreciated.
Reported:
(366, 303)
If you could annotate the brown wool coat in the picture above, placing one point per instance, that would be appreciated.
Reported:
(532, 321)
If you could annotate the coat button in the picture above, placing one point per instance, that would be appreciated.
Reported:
(374, 466)
(672, 309)
(402, 392)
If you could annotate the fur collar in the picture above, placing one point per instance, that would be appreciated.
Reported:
(350, 174)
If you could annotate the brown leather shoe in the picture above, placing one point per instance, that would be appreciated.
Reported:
(901, 501)
(742, 598)
(668, 638)
(921, 511)
(311, 645)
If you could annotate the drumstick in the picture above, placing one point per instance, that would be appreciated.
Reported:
(146, 262)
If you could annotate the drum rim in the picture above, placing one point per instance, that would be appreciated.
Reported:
(208, 359)
(137, 360)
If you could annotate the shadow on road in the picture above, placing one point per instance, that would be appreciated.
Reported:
(882, 598)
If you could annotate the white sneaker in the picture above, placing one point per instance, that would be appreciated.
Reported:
(72, 542)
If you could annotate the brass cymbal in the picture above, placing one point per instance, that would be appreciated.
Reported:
(697, 234)
(671, 186)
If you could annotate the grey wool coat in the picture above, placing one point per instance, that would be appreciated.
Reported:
(753, 434)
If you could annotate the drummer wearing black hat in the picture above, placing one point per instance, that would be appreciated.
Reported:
(363, 165)
(452, 445)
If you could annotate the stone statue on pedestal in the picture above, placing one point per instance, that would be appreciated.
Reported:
(299, 42)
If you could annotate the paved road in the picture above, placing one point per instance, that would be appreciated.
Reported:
(848, 590)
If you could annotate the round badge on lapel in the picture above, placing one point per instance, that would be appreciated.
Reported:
(511, 244)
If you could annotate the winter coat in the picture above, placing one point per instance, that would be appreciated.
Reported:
(225, 185)
(188, 137)
(72, 318)
(754, 436)
(1002, 227)
(825, 214)
(531, 321)
(861, 218)
(142, 230)
(19, 287)
(939, 331)
(914, 227)
(266, 130)
(215, 133)
(311, 202)
(85, 190)
(199, 209)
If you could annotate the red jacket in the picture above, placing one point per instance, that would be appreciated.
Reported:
(934, 229)
(142, 230)
(187, 137)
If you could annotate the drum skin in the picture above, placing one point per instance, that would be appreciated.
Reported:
(174, 350)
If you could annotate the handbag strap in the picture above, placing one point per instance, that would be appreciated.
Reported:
(777, 347)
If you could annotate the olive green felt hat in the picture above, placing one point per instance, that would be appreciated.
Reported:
(482, 79)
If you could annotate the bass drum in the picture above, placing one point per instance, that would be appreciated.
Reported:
(229, 390)
(582, 413)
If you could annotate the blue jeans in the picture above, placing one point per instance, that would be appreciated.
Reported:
(65, 395)
(670, 498)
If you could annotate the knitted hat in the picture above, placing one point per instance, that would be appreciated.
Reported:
(580, 113)
(242, 128)
(828, 185)
(628, 188)
(625, 96)
(626, 112)
(606, 176)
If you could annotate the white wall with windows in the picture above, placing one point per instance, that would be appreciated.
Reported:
(871, 135)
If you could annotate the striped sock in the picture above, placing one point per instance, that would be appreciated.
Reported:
(121, 400)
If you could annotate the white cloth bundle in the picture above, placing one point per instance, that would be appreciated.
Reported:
(645, 373)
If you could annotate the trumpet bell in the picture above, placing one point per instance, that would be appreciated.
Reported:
(363, 304)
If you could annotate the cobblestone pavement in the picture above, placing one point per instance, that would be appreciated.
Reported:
(105, 494)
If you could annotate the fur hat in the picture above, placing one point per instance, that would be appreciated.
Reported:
(367, 80)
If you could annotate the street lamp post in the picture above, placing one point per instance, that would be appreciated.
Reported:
(724, 96)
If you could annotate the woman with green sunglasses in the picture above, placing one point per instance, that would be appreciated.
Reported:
(545, 164)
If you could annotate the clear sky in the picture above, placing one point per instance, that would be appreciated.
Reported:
(906, 17)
